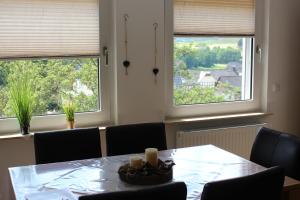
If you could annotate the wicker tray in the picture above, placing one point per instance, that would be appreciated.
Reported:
(147, 175)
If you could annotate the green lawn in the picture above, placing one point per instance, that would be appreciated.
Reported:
(232, 45)
(215, 67)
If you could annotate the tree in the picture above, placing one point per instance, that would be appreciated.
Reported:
(181, 70)
(230, 92)
(241, 43)
(196, 95)
(205, 57)
(3, 101)
(195, 55)
(226, 55)
(87, 72)
(186, 53)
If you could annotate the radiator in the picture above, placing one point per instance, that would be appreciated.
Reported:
(238, 140)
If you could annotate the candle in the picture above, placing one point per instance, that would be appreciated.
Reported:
(136, 162)
(151, 156)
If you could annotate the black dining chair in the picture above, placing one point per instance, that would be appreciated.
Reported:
(264, 185)
(135, 138)
(272, 148)
(174, 191)
(67, 145)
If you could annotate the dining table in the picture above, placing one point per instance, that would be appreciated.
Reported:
(195, 166)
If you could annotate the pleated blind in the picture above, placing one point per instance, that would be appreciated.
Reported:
(214, 17)
(47, 28)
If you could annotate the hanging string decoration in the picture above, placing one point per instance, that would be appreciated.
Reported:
(155, 70)
(126, 62)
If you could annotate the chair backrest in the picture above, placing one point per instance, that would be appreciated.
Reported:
(135, 138)
(272, 148)
(67, 145)
(174, 191)
(264, 185)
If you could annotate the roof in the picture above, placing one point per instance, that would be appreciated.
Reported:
(235, 66)
(232, 80)
(220, 73)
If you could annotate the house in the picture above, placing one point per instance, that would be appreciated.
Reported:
(207, 80)
(178, 81)
(235, 67)
(221, 73)
(235, 81)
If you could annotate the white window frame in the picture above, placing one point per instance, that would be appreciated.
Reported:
(253, 105)
(84, 119)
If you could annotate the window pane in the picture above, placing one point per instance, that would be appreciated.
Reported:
(212, 69)
(54, 81)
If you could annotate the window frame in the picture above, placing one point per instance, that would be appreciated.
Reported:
(83, 119)
(253, 105)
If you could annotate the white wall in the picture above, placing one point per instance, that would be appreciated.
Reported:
(13, 152)
(284, 67)
(138, 99)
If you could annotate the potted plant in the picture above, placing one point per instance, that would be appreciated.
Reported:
(69, 110)
(21, 98)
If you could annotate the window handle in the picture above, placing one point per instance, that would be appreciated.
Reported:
(105, 54)
(258, 51)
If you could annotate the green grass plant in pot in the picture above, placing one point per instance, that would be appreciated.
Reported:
(69, 110)
(21, 98)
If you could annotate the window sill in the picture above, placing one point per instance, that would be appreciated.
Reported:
(215, 117)
(167, 121)
(30, 135)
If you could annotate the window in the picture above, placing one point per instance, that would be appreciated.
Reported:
(213, 57)
(55, 80)
(212, 69)
(56, 42)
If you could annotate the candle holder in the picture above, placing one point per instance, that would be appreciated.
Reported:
(147, 174)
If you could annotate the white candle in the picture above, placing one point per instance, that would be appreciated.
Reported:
(136, 162)
(151, 156)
